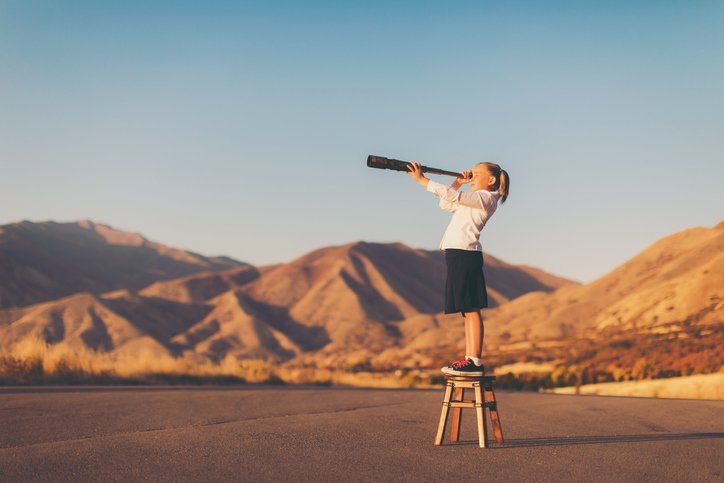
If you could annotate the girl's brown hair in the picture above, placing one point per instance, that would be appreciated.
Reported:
(502, 180)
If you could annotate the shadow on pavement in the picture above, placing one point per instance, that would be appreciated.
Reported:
(570, 440)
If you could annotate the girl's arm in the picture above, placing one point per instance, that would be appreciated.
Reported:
(446, 205)
(480, 200)
(448, 194)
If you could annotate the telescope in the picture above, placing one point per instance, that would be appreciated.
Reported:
(397, 165)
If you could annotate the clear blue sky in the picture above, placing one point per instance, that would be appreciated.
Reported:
(242, 128)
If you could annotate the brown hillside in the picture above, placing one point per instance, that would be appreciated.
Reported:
(361, 292)
(202, 286)
(677, 280)
(80, 321)
(234, 327)
(48, 260)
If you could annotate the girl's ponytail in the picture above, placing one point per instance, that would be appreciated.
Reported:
(504, 187)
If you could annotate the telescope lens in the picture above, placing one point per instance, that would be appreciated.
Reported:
(375, 161)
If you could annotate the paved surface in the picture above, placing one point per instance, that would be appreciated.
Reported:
(248, 433)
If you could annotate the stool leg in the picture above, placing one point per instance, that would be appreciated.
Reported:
(457, 414)
(494, 417)
(482, 425)
(443, 414)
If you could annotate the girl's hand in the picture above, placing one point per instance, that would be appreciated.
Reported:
(415, 171)
(465, 177)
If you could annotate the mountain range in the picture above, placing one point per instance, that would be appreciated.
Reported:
(88, 285)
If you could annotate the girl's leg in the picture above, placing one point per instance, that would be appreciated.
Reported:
(474, 332)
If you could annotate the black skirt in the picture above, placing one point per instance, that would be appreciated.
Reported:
(465, 289)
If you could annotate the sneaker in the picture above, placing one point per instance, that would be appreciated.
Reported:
(464, 367)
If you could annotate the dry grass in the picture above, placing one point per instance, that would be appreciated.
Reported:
(396, 379)
(702, 386)
(35, 362)
(525, 367)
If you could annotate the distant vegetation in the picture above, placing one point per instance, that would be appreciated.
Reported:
(620, 357)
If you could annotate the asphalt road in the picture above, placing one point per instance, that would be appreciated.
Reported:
(253, 433)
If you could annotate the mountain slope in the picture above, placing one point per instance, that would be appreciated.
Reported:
(679, 279)
(49, 260)
(360, 292)
(79, 321)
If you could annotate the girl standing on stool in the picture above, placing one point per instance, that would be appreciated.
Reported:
(465, 290)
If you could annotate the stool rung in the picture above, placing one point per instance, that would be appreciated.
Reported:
(470, 404)
(462, 404)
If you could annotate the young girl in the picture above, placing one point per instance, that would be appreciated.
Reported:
(465, 290)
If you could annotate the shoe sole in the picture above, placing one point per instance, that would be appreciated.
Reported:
(453, 372)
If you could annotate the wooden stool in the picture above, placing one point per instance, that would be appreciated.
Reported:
(484, 399)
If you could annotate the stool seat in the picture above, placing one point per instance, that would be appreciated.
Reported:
(482, 387)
